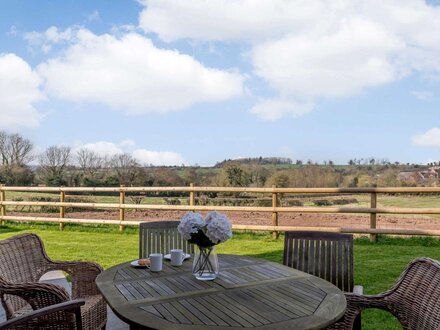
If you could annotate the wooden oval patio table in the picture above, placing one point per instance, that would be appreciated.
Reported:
(248, 293)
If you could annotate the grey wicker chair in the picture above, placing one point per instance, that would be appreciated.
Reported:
(161, 237)
(414, 300)
(67, 313)
(325, 255)
(23, 261)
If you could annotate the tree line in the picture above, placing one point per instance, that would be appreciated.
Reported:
(61, 166)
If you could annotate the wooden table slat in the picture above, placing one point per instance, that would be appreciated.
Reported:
(274, 302)
(213, 316)
(243, 311)
(271, 315)
(202, 317)
(177, 313)
(295, 300)
(190, 316)
(212, 304)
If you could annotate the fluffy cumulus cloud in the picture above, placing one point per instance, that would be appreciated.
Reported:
(143, 156)
(102, 148)
(430, 138)
(308, 50)
(52, 36)
(19, 91)
(158, 158)
(225, 20)
(131, 74)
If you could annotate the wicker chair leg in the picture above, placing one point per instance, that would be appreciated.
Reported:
(357, 324)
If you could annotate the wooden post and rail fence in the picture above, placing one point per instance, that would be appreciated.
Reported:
(275, 209)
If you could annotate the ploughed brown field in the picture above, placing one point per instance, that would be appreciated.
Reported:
(264, 218)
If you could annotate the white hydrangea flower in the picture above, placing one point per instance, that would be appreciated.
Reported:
(190, 223)
(218, 229)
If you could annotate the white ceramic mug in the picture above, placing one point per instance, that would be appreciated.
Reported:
(176, 257)
(156, 262)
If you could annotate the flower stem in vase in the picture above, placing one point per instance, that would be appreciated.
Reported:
(205, 265)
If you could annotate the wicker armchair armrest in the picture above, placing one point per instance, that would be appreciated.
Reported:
(73, 306)
(83, 276)
(37, 294)
(356, 304)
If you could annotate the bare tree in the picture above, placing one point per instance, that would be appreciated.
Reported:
(53, 163)
(15, 149)
(125, 166)
(3, 138)
(89, 161)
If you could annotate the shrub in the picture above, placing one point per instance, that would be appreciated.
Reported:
(20, 208)
(172, 201)
(136, 199)
(202, 200)
(291, 202)
(344, 201)
(54, 209)
(322, 202)
(263, 202)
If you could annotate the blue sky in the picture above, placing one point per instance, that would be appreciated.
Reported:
(196, 82)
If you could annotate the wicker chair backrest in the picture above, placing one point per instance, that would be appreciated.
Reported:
(22, 259)
(415, 299)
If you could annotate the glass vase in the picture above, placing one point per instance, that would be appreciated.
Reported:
(205, 264)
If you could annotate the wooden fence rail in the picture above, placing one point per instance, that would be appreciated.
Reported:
(192, 190)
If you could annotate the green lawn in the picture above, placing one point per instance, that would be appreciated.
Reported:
(377, 265)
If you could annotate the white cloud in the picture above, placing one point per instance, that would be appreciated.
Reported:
(131, 74)
(143, 156)
(19, 91)
(430, 138)
(12, 31)
(52, 36)
(127, 144)
(102, 148)
(273, 109)
(355, 56)
(311, 49)
(158, 158)
(225, 20)
(94, 16)
(422, 95)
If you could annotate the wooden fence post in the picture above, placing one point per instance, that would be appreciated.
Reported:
(62, 208)
(192, 199)
(373, 204)
(3, 207)
(121, 209)
(275, 234)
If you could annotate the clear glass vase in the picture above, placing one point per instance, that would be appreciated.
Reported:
(205, 264)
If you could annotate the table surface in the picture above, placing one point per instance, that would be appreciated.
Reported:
(248, 293)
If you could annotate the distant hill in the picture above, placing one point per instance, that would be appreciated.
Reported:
(256, 161)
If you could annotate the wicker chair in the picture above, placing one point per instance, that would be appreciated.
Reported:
(23, 261)
(67, 313)
(161, 237)
(414, 300)
(326, 255)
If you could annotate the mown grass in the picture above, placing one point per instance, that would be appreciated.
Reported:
(377, 265)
